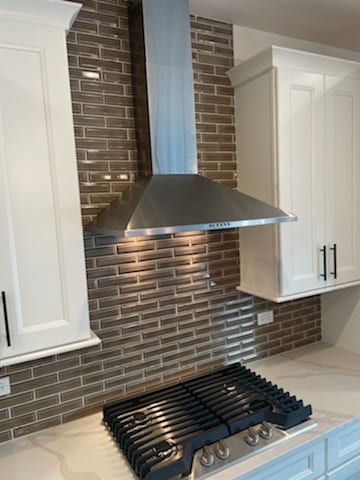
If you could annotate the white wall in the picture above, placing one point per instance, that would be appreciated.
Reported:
(340, 312)
(248, 42)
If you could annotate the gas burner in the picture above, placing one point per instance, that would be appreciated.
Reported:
(230, 388)
(141, 418)
(256, 406)
(165, 449)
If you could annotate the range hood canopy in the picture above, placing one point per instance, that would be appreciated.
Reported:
(178, 203)
(170, 197)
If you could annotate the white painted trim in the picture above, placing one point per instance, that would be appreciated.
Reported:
(287, 298)
(294, 60)
(251, 68)
(249, 41)
(27, 357)
(313, 62)
(56, 13)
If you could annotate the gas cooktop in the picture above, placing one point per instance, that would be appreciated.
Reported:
(196, 427)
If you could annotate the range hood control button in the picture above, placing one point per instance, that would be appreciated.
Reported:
(252, 437)
(222, 450)
(207, 458)
(265, 431)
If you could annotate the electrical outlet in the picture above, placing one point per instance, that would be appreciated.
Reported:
(263, 318)
(4, 386)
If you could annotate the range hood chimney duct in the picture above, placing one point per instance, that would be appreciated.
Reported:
(170, 196)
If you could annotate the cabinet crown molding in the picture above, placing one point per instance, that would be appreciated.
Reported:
(292, 59)
(56, 13)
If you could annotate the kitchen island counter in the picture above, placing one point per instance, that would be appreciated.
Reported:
(325, 376)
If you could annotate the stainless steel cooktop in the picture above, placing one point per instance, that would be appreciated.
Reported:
(192, 429)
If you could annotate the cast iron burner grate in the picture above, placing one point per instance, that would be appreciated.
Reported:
(159, 431)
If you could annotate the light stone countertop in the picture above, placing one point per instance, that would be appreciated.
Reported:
(320, 374)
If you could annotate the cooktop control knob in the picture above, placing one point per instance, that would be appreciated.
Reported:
(265, 430)
(207, 458)
(252, 437)
(222, 450)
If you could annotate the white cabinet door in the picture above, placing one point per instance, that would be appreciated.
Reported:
(301, 178)
(347, 471)
(42, 270)
(343, 445)
(342, 173)
(306, 464)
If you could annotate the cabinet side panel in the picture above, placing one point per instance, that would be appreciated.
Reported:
(255, 157)
(254, 134)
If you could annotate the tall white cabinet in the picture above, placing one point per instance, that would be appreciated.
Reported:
(298, 140)
(43, 304)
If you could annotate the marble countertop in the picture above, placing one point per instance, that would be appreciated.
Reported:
(325, 376)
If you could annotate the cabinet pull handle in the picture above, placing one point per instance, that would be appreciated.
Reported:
(324, 275)
(333, 248)
(3, 297)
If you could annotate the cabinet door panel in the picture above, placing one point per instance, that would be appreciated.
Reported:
(32, 265)
(306, 464)
(342, 173)
(344, 444)
(301, 175)
(42, 265)
(348, 471)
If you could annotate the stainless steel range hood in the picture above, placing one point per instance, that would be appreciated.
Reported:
(170, 196)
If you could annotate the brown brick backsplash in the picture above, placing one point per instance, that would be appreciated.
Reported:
(165, 306)
(32, 427)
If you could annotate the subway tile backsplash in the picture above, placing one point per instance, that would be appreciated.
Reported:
(165, 306)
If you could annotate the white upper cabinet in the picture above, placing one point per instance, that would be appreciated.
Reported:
(43, 304)
(298, 134)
